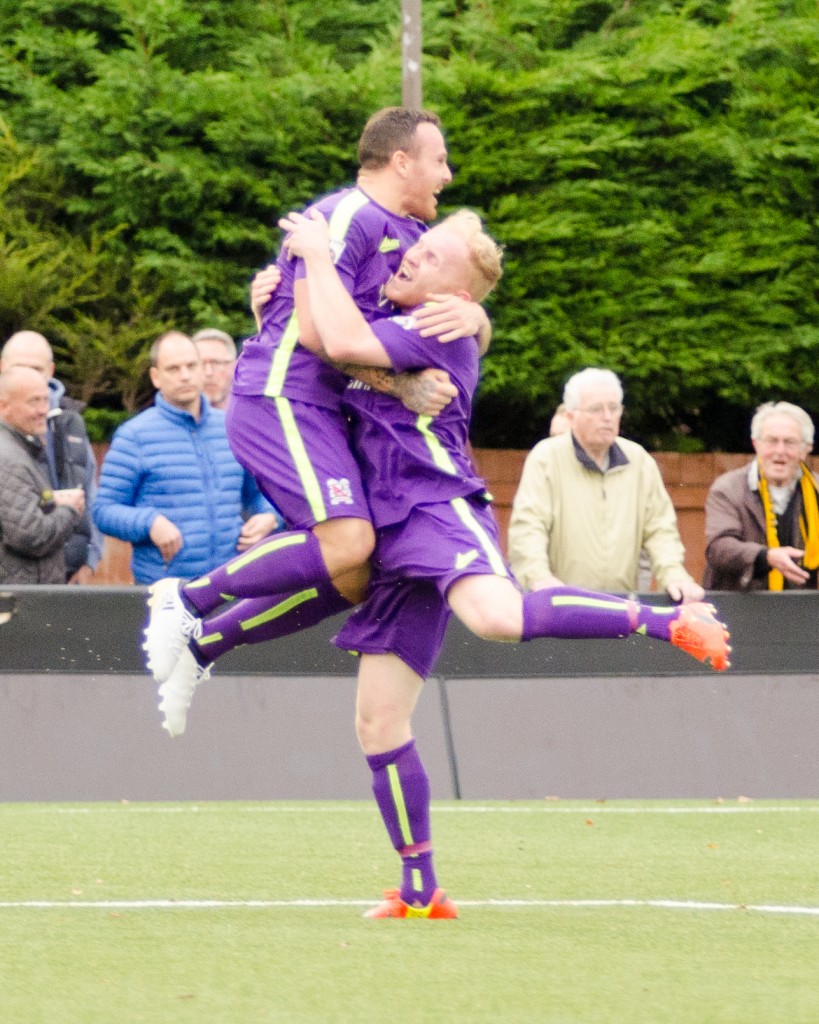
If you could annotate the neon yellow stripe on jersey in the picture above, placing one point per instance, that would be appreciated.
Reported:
(342, 215)
(400, 806)
(307, 475)
(340, 220)
(274, 544)
(439, 454)
(471, 523)
(281, 357)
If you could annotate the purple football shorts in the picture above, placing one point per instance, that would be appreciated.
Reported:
(414, 565)
(299, 455)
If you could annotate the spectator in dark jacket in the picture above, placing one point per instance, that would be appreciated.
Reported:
(70, 457)
(170, 484)
(762, 520)
(35, 520)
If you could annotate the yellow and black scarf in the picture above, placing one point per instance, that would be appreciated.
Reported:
(808, 524)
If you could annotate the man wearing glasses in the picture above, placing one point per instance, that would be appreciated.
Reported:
(762, 520)
(217, 350)
(589, 501)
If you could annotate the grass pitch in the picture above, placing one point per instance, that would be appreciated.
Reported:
(610, 913)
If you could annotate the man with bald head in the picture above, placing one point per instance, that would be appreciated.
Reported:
(70, 459)
(35, 520)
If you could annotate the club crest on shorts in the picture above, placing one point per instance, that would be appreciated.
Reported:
(338, 492)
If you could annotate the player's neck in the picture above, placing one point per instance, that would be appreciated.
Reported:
(383, 189)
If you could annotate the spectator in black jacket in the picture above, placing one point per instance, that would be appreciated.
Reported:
(35, 520)
(70, 458)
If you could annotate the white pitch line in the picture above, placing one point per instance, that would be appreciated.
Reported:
(765, 908)
(366, 808)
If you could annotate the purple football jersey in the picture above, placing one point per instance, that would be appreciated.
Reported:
(368, 243)
(406, 459)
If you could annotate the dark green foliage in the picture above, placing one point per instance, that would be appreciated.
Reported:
(650, 166)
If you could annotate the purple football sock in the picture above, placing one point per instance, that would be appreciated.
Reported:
(401, 789)
(571, 613)
(280, 564)
(256, 619)
(655, 620)
(575, 614)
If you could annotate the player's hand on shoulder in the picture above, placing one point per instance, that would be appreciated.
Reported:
(449, 317)
(306, 234)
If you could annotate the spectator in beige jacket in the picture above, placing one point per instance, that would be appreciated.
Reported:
(589, 500)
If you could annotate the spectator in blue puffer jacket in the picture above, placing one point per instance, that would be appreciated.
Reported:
(170, 484)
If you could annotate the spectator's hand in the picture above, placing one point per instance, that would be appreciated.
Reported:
(786, 561)
(685, 591)
(547, 583)
(166, 536)
(427, 392)
(261, 288)
(72, 497)
(450, 317)
(255, 528)
(82, 576)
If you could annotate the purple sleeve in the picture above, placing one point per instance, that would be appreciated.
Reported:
(405, 346)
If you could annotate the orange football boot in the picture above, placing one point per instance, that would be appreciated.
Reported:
(697, 632)
(440, 907)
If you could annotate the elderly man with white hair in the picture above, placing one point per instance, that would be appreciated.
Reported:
(762, 520)
(589, 501)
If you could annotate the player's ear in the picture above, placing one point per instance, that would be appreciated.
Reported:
(400, 162)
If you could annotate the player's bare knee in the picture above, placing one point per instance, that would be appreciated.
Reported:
(490, 606)
(370, 732)
(345, 543)
(492, 622)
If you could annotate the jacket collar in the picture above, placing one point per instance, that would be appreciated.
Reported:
(617, 457)
(56, 392)
(34, 445)
(180, 416)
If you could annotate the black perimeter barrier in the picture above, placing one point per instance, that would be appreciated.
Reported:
(589, 719)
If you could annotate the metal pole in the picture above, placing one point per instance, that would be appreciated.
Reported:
(411, 53)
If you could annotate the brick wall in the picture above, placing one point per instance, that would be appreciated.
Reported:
(687, 478)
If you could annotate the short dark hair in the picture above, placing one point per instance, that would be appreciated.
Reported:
(388, 131)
